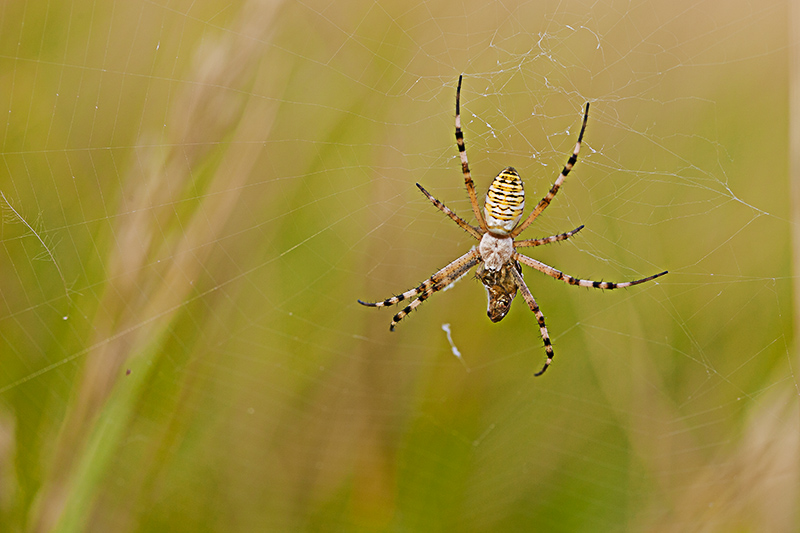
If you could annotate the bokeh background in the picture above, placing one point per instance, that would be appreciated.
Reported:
(195, 193)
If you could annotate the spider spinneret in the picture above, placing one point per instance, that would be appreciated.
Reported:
(499, 264)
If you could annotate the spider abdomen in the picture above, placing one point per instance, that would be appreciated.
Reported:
(505, 202)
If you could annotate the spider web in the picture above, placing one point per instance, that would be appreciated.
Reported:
(196, 193)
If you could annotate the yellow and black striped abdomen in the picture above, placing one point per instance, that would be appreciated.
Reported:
(505, 202)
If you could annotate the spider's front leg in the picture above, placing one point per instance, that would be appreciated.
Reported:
(501, 275)
(440, 280)
(526, 294)
(566, 278)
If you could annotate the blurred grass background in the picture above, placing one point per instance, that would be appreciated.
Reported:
(219, 182)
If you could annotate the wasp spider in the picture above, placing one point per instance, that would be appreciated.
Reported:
(496, 254)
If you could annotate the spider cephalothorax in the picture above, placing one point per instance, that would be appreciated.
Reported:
(498, 261)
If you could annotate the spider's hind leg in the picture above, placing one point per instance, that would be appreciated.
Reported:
(462, 153)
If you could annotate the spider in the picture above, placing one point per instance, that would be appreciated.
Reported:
(499, 263)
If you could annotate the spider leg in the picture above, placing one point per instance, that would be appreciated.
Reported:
(462, 152)
(566, 278)
(548, 240)
(557, 185)
(440, 280)
(472, 230)
(526, 294)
